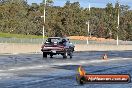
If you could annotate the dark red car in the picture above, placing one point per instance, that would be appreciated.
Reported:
(56, 46)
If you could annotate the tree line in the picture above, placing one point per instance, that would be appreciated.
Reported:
(16, 16)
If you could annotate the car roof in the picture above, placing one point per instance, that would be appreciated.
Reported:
(54, 37)
(66, 38)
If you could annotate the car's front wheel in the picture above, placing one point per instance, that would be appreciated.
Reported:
(65, 55)
(51, 55)
(44, 55)
(70, 54)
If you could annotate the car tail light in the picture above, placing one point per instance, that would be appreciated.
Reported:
(61, 46)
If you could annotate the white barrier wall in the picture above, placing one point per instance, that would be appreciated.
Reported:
(11, 48)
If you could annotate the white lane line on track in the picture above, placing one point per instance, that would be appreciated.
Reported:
(83, 62)
(62, 64)
(31, 82)
(25, 68)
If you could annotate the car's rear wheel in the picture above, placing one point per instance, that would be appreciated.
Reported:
(70, 54)
(51, 55)
(44, 55)
(65, 54)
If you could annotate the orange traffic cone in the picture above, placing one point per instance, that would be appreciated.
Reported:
(105, 57)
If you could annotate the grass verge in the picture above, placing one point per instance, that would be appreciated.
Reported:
(8, 35)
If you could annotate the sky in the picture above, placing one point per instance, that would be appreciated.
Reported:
(85, 3)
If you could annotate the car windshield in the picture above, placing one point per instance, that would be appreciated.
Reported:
(53, 40)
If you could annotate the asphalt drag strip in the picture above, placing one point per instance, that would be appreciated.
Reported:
(32, 71)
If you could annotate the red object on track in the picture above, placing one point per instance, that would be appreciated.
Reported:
(105, 57)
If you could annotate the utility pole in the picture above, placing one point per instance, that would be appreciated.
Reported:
(44, 20)
(88, 27)
(117, 42)
(87, 31)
